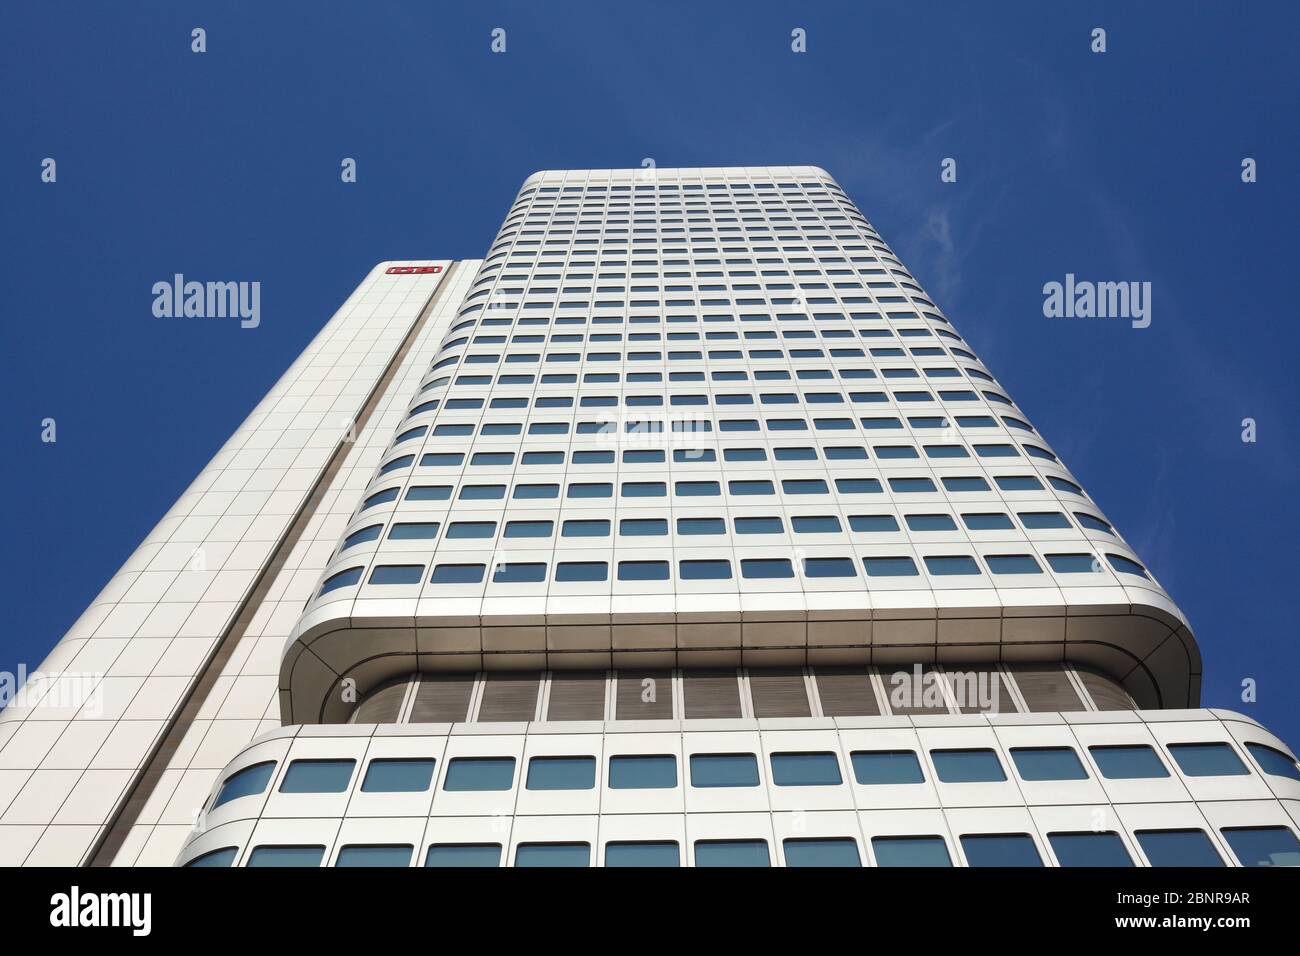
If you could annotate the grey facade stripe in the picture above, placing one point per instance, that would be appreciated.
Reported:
(127, 811)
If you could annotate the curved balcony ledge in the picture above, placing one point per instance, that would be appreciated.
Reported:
(342, 649)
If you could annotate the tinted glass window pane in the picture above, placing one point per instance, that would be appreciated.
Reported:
(1012, 564)
(806, 770)
(245, 783)
(1178, 848)
(529, 529)
(525, 573)
(704, 570)
(344, 579)
(595, 528)
(910, 851)
(463, 854)
(553, 854)
(724, 770)
(886, 766)
(815, 524)
(873, 523)
(1263, 846)
(967, 766)
(829, 568)
(1089, 849)
(397, 574)
(413, 530)
(1000, 849)
(761, 568)
(317, 776)
(1274, 761)
(634, 772)
(457, 574)
(223, 857)
(951, 564)
(1128, 762)
(731, 853)
(643, 570)
(561, 773)
(701, 526)
(398, 776)
(759, 526)
(1044, 519)
(581, 571)
(286, 856)
(1208, 760)
(930, 522)
(643, 527)
(1048, 763)
(986, 522)
(826, 852)
(889, 567)
(480, 773)
(642, 854)
(374, 856)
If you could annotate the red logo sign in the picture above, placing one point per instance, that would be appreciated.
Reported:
(412, 270)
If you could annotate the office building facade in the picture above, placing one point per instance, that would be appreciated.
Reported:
(682, 529)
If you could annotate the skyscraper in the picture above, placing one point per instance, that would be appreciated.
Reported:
(682, 529)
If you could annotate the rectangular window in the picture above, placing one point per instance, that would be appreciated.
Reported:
(479, 774)
(806, 770)
(724, 770)
(463, 854)
(731, 853)
(1128, 762)
(659, 854)
(1048, 763)
(398, 776)
(369, 856)
(910, 851)
(561, 773)
(286, 856)
(636, 772)
(553, 854)
(975, 765)
(1000, 849)
(1089, 849)
(317, 776)
(832, 851)
(874, 767)
(1208, 760)
(1178, 848)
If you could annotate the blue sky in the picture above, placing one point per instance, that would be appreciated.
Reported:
(1116, 166)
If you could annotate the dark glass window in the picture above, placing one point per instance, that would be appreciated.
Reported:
(561, 773)
(1048, 763)
(731, 853)
(1208, 760)
(463, 854)
(1127, 761)
(831, 851)
(1089, 849)
(806, 770)
(976, 765)
(724, 770)
(317, 776)
(637, 772)
(886, 767)
(910, 851)
(245, 783)
(480, 773)
(1178, 848)
(1000, 849)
